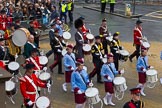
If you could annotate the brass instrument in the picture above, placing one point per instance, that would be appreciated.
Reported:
(13, 50)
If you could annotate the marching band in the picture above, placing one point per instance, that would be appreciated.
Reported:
(106, 65)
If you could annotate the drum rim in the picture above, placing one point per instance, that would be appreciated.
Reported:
(151, 72)
(42, 97)
(124, 52)
(13, 85)
(10, 66)
(42, 58)
(46, 78)
(62, 52)
(14, 39)
(88, 92)
(87, 46)
(91, 36)
(68, 36)
(115, 79)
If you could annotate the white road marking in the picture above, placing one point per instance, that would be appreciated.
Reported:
(149, 20)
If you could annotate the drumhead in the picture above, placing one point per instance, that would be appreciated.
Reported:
(66, 35)
(104, 60)
(9, 85)
(20, 37)
(44, 76)
(13, 66)
(91, 92)
(124, 52)
(110, 38)
(151, 72)
(146, 44)
(119, 80)
(86, 47)
(64, 52)
(42, 102)
(43, 60)
(90, 36)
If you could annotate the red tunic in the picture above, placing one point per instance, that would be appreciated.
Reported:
(28, 60)
(2, 65)
(3, 22)
(36, 24)
(137, 33)
(85, 31)
(27, 89)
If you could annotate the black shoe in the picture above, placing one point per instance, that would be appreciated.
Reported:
(101, 82)
(51, 70)
(130, 59)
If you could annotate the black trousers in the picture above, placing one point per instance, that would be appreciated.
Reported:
(70, 14)
(36, 40)
(136, 52)
(112, 7)
(29, 106)
(105, 43)
(103, 6)
(63, 15)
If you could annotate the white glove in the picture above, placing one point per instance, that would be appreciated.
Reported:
(30, 103)
(109, 78)
(48, 85)
(72, 68)
(45, 69)
(90, 84)
(58, 50)
(36, 33)
(117, 51)
(144, 70)
(105, 56)
(122, 71)
(101, 57)
(151, 67)
(16, 56)
(79, 92)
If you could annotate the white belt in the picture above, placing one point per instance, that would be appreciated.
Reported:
(31, 92)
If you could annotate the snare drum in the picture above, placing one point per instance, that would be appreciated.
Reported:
(63, 52)
(93, 95)
(20, 37)
(120, 84)
(152, 76)
(124, 54)
(10, 88)
(45, 77)
(66, 35)
(14, 67)
(87, 49)
(146, 44)
(90, 37)
(42, 102)
(43, 60)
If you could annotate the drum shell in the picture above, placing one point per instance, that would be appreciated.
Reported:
(152, 78)
(120, 84)
(47, 80)
(12, 92)
(123, 58)
(87, 52)
(16, 72)
(94, 100)
(121, 87)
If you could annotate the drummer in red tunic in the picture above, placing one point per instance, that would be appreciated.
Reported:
(142, 66)
(28, 86)
(3, 20)
(34, 59)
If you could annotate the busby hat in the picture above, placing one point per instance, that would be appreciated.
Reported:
(2, 39)
(34, 50)
(78, 23)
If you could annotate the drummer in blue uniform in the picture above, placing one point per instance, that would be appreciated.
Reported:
(79, 81)
(108, 71)
(142, 66)
(69, 64)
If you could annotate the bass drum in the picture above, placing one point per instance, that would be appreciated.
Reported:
(20, 37)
